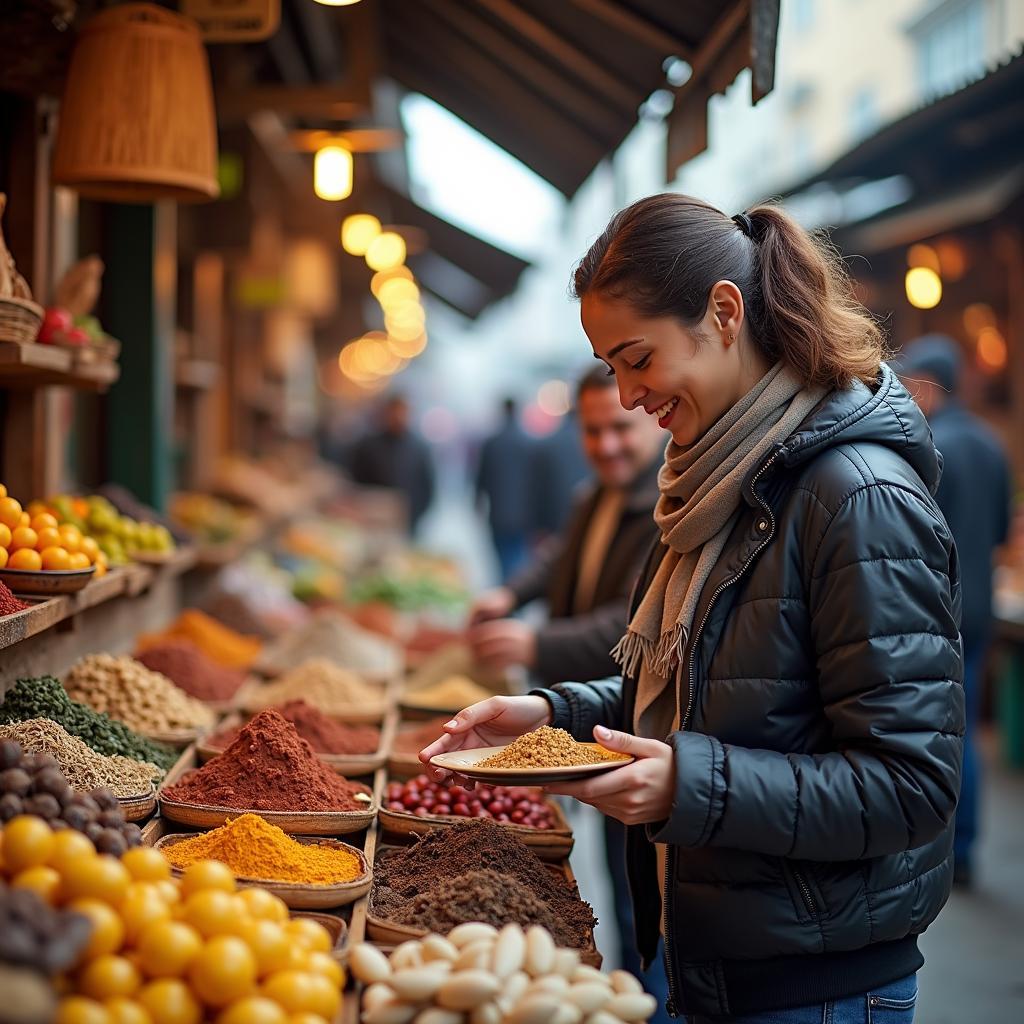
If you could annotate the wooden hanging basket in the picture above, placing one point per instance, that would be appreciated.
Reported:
(20, 320)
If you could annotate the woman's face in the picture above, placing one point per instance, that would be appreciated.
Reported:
(687, 377)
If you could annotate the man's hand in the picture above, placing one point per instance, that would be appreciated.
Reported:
(638, 794)
(492, 604)
(501, 644)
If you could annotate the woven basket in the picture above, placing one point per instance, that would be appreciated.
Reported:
(20, 320)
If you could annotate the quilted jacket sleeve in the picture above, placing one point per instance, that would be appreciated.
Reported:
(884, 602)
(578, 707)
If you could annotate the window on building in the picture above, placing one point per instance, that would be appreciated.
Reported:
(950, 42)
(863, 114)
(803, 14)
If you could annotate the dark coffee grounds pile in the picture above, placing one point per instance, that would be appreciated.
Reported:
(324, 734)
(412, 741)
(188, 668)
(269, 768)
(9, 604)
(477, 871)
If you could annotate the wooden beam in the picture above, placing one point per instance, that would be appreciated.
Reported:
(624, 20)
(717, 40)
(565, 53)
(317, 102)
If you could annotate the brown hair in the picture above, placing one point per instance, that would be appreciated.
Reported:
(595, 379)
(666, 252)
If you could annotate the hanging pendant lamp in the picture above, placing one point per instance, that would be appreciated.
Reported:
(137, 121)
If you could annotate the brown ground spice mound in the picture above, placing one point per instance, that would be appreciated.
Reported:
(269, 768)
(188, 668)
(323, 734)
(549, 748)
(477, 871)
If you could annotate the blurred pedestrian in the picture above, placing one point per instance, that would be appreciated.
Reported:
(559, 469)
(503, 485)
(974, 495)
(397, 458)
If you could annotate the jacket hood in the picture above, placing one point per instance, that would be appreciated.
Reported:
(885, 414)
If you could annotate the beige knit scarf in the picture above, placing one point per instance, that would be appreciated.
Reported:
(701, 494)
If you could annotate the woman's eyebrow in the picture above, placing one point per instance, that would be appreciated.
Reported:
(623, 345)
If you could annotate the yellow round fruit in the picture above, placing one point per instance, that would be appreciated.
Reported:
(42, 521)
(101, 877)
(211, 912)
(5, 535)
(23, 537)
(3, 491)
(108, 976)
(25, 559)
(126, 1011)
(101, 569)
(207, 874)
(71, 536)
(166, 948)
(143, 905)
(89, 547)
(79, 1010)
(42, 880)
(310, 934)
(253, 1010)
(10, 512)
(67, 845)
(55, 559)
(79, 561)
(48, 538)
(170, 1001)
(28, 841)
(3, 558)
(306, 1018)
(145, 864)
(263, 904)
(107, 929)
(325, 964)
(269, 943)
(169, 891)
(303, 992)
(225, 972)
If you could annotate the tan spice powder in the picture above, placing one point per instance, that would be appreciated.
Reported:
(549, 748)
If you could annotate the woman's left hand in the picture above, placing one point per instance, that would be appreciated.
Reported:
(639, 793)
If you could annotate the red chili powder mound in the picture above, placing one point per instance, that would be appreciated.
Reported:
(269, 768)
(9, 604)
(323, 734)
(187, 667)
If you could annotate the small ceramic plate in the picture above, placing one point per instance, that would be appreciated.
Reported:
(466, 762)
(46, 581)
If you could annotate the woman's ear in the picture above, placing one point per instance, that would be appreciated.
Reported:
(726, 302)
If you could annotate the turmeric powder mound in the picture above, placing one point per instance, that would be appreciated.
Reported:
(253, 848)
(216, 641)
(549, 748)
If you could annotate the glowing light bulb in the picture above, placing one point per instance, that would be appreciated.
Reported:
(924, 287)
(332, 173)
(358, 231)
(386, 251)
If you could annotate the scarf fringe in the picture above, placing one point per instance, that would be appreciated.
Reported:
(660, 657)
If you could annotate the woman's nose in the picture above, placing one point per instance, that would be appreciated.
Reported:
(630, 395)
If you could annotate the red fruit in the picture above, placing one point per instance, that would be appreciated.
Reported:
(410, 802)
(461, 809)
(396, 805)
(421, 812)
(496, 806)
(76, 336)
(56, 322)
(518, 817)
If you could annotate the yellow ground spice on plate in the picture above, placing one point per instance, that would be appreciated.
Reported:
(253, 848)
(549, 748)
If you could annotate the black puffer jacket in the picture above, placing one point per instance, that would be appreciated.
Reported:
(818, 762)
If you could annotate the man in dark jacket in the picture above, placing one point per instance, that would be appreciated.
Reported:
(974, 495)
(396, 458)
(503, 482)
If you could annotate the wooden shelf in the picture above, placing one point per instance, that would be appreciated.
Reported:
(197, 374)
(40, 366)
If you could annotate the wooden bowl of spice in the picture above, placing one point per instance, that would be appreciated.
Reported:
(307, 873)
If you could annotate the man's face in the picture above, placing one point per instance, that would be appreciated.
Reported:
(618, 443)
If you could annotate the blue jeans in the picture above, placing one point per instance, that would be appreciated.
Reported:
(966, 828)
(513, 552)
(887, 1004)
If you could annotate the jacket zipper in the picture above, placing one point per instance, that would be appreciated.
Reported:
(690, 698)
(805, 889)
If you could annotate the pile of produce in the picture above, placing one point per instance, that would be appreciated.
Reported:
(119, 537)
(192, 671)
(236, 613)
(325, 735)
(207, 518)
(550, 748)
(128, 691)
(34, 540)
(334, 690)
(477, 871)
(44, 697)
(9, 604)
(336, 638)
(169, 951)
(412, 740)
(422, 796)
(409, 592)
(253, 848)
(269, 768)
(478, 973)
(80, 764)
(453, 692)
(32, 784)
(216, 641)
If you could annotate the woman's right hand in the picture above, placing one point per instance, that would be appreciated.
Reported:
(490, 723)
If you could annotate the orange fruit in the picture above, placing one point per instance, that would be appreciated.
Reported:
(56, 558)
(34, 507)
(78, 560)
(25, 520)
(5, 535)
(25, 558)
(71, 536)
(3, 558)
(48, 537)
(10, 512)
(24, 537)
(101, 570)
(89, 547)
(43, 521)
(3, 491)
